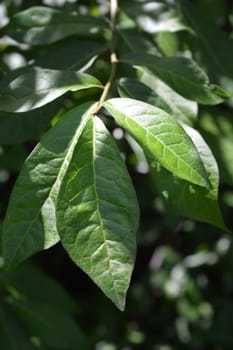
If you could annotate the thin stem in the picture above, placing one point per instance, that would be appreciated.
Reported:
(113, 56)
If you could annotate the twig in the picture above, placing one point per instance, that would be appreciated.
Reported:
(113, 56)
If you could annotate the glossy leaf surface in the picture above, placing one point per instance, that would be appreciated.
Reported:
(160, 134)
(97, 212)
(181, 74)
(30, 223)
(44, 25)
(37, 87)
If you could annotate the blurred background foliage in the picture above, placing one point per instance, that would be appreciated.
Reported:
(181, 295)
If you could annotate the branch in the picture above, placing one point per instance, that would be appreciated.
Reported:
(113, 56)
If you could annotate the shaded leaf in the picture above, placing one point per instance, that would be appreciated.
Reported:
(97, 212)
(12, 334)
(155, 16)
(37, 87)
(181, 74)
(77, 53)
(137, 42)
(43, 25)
(30, 283)
(54, 327)
(216, 125)
(28, 126)
(188, 199)
(30, 223)
(157, 132)
(158, 94)
(212, 45)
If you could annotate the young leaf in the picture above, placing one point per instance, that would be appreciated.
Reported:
(30, 223)
(181, 74)
(188, 199)
(43, 25)
(97, 212)
(159, 133)
(37, 87)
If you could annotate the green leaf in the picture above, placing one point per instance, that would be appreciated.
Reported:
(37, 87)
(181, 74)
(137, 42)
(30, 283)
(212, 45)
(158, 94)
(30, 223)
(188, 199)
(216, 125)
(53, 327)
(97, 212)
(73, 53)
(157, 132)
(12, 334)
(27, 126)
(43, 25)
(154, 16)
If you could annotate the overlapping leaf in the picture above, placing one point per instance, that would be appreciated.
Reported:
(160, 134)
(97, 212)
(43, 25)
(30, 223)
(155, 16)
(212, 45)
(55, 328)
(182, 74)
(27, 126)
(188, 199)
(12, 334)
(73, 53)
(153, 91)
(37, 87)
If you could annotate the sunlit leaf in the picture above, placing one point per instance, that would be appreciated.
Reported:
(37, 87)
(44, 25)
(97, 212)
(30, 223)
(158, 133)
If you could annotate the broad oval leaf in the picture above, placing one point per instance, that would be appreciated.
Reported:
(97, 212)
(181, 74)
(37, 87)
(187, 199)
(160, 134)
(43, 25)
(30, 223)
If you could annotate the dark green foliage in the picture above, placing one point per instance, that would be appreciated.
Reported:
(109, 112)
